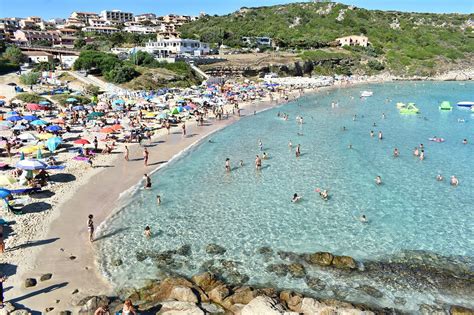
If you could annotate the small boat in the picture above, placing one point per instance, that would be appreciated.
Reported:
(465, 104)
(401, 105)
(445, 106)
(366, 93)
(410, 109)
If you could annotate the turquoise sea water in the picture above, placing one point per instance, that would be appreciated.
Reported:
(245, 210)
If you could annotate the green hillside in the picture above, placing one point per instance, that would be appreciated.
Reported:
(405, 43)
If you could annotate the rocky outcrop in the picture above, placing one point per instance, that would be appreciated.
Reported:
(320, 258)
(263, 305)
(183, 294)
(177, 307)
(91, 303)
(459, 310)
(344, 262)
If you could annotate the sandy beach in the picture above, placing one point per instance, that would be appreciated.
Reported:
(55, 241)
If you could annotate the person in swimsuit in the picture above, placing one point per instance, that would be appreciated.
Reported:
(258, 163)
(290, 145)
(147, 181)
(126, 153)
(380, 135)
(158, 199)
(128, 308)
(371, 133)
(90, 227)
(295, 198)
(396, 153)
(454, 181)
(102, 310)
(241, 163)
(145, 156)
(439, 177)
(147, 232)
(183, 127)
(227, 165)
(324, 194)
(363, 219)
(298, 151)
(260, 145)
(378, 180)
(2, 279)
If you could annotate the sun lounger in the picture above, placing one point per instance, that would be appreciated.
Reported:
(25, 191)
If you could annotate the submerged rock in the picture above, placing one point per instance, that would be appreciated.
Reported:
(314, 283)
(370, 291)
(237, 278)
(289, 256)
(344, 262)
(141, 256)
(215, 249)
(184, 250)
(399, 301)
(320, 258)
(265, 250)
(296, 270)
(116, 262)
(278, 269)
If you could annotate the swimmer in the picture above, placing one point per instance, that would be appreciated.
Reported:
(363, 219)
(372, 133)
(396, 153)
(344, 128)
(354, 118)
(350, 146)
(260, 145)
(147, 181)
(454, 181)
(300, 134)
(380, 135)
(439, 178)
(383, 115)
(374, 125)
(241, 163)
(324, 194)
(421, 146)
(298, 151)
(290, 144)
(258, 163)
(416, 152)
(422, 155)
(464, 141)
(147, 232)
(378, 180)
(158, 199)
(295, 198)
(265, 156)
(227, 165)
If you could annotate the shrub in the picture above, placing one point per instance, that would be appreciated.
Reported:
(121, 74)
(30, 78)
(375, 65)
(30, 98)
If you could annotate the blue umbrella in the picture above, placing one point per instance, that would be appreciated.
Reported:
(78, 107)
(29, 117)
(14, 118)
(44, 103)
(119, 102)
(54, 128)
(12, 113)
(53, 143)
(38, 122)
(4, 193)
(71, 100)
(19, 127)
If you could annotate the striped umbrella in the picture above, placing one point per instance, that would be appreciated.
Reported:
(31, 165)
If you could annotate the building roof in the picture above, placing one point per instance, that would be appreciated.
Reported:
(36, 53)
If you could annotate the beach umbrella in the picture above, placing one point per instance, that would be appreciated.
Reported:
(38, 122)
(6, 123)
(31, 165)
(175, 111)
(39, 154)
(29, 149)
(22, 156)
(71, 100)
(4, 193)
(54, 128)
(29, 117)
(2, 102)
(117, 107)
(95, 115)
(6, 180)
(12, 113)
(33, 106)
(58, 121)
(187, 107)
(116, 127)
(149, 115)
(44, 103)
(53, 143)
(107, 130)
(102, 105)
(14, 118)
(2, 97)
(27, 136)
(44, 136)
(82, 141)
(19, 127)
(78, 107)
(119, 102)
(163, 116)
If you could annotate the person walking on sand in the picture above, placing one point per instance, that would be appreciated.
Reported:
(96, 144)
(90, 227)
(2, 243)
(145, 156)
(184, 129)
(147, 181)
(126, 153)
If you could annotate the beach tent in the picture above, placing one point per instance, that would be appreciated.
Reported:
(29, 149)
(27, 136)
(14, 118)
(12, 113)
(53, 143)
(19, 127)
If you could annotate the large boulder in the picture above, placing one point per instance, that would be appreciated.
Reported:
(211, 308)
(320, 258)
(183, 294)
(177, 307)
(160, 290)
(91, 303)
(242, 295)
(291, 299)
(459, 310)
(344, 262)
(296, 270)
(218, 294)
(263, 305)
(206, 281)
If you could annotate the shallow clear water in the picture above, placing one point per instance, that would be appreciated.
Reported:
(245, 210)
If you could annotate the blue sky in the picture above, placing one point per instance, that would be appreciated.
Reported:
(62, 8)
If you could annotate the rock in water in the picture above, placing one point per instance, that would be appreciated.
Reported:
(117, 262)
(184, 250)
(320, 258)
(263, 305)
(459, 310)
(344, 262)
(183, 294)
(297, 270)
(371, 291)
(267, 251)
(278, 269)
(315, 284)
(30, 282)
(215, 249)
(46, 276)
(176, 307)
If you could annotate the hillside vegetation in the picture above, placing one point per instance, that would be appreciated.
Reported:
(405, 43)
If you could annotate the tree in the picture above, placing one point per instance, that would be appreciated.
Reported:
(45, 66)
(14, 55)
(121, 74)
(92, 90)
(79, 43)
(30, 78)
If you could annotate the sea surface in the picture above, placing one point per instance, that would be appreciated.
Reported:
(413, 218)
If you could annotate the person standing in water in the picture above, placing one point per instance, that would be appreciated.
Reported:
(147, 181)
(227, 165)
(298, 151)
(380, 135)
(378, 180)
(290, 145)
(454, 181)
(258, 163)
(260, 145)
(90, 227)
(147, 232)
(396, 153)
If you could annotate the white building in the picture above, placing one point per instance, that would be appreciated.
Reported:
(38, 56)
(100, 29)
(135, 29)
(353, 40)
(116, 16)
(177, 46)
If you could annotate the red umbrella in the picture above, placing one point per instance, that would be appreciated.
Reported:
(82, 141)
(107, 130)
(59, 121)
(116, 127)
(33, 106)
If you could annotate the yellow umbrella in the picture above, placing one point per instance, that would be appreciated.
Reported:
(6, 180)
(150, 115)
(29, 149)
(62, 115)
(44, 136)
